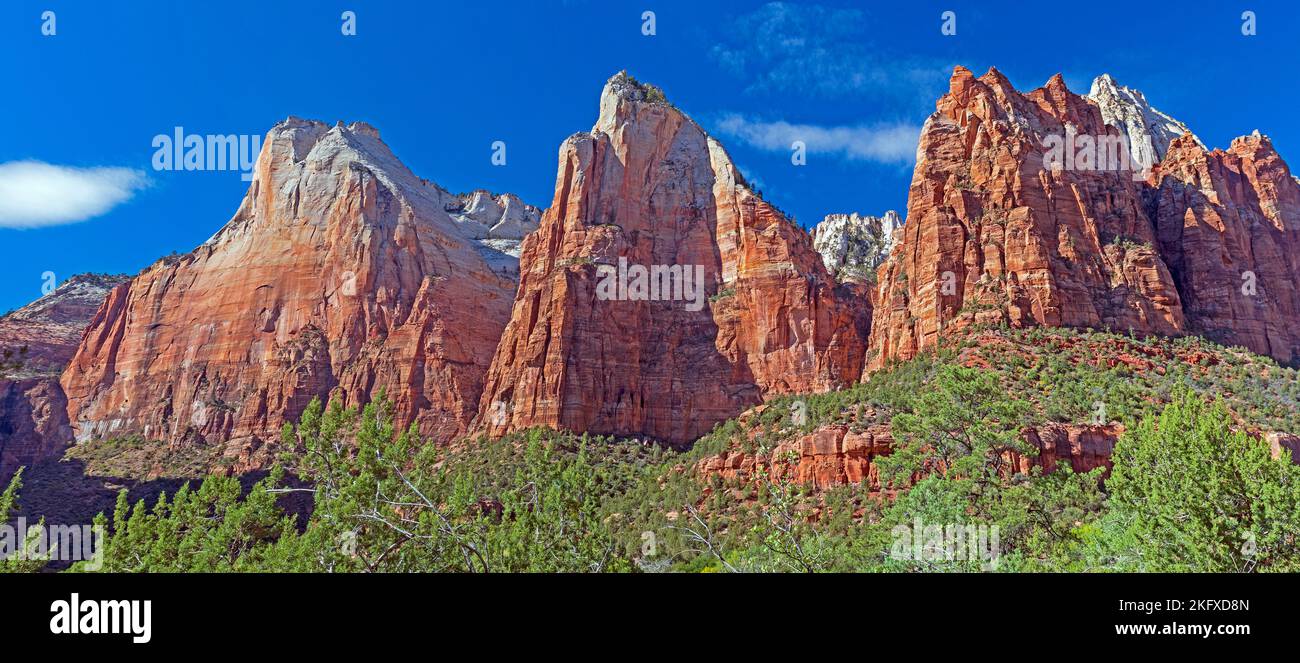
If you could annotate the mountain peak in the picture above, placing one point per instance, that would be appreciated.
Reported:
(621, 97)
(852, 246)
(1149, 131)
(624, 86)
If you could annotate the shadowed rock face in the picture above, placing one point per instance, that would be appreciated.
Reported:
(997, 233)
(648, 187)
(1228, 224)
(341, 273)
(36, 343)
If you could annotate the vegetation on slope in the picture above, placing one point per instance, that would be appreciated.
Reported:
(1190, 491)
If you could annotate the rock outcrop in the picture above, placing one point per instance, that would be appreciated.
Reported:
(1001, 229)
(827, 457)
(839, 455)
(341, 275)
(647, 190)
(498, 221)
(1149, 131)
(36, 343)
(853, 246)
(1228, 224)
(998, 230)
(1284, 445)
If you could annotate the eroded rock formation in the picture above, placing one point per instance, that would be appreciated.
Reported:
(853, 246)
(648, 188)
(839, 455)
(1228, 223)
(1001, 229)
(341, 274)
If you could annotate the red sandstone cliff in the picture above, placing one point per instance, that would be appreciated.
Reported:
(649, 187)
(840, 455)
(1204, 242)
(992, 235)
(341, 273)
(1228, 224)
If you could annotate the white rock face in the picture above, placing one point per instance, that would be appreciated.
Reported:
(499, 221)
(1149, 131)
(852, 245)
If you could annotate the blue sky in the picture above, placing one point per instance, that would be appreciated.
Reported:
(442, 81)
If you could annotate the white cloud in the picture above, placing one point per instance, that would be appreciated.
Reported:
(886, 143)
(35, 194)
(826, 52)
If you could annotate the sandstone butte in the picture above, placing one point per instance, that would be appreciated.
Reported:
(648, 185)
(36, 343)
(341, 274)
(992, 235)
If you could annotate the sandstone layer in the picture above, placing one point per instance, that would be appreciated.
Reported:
(840, 455)
(1228, 223)
(852, 246)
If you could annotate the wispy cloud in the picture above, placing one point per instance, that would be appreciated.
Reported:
(888, 143)
(821, 51)
(35, 194)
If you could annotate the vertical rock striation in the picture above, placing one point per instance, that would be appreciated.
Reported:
(648, 187)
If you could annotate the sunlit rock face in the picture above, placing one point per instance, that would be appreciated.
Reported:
(342, 275)
(648, 187)
(1000, 230)
(852, 246)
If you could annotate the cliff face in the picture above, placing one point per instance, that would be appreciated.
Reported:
(36, 343)
(1001, 229)
(341, 273)
(997, 231)
(1149, 131)
(840, 455)
(648, 189)
(1228, 224)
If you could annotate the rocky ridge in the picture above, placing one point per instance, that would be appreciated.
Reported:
(852, 246)
(36, 343)
(998, 233)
